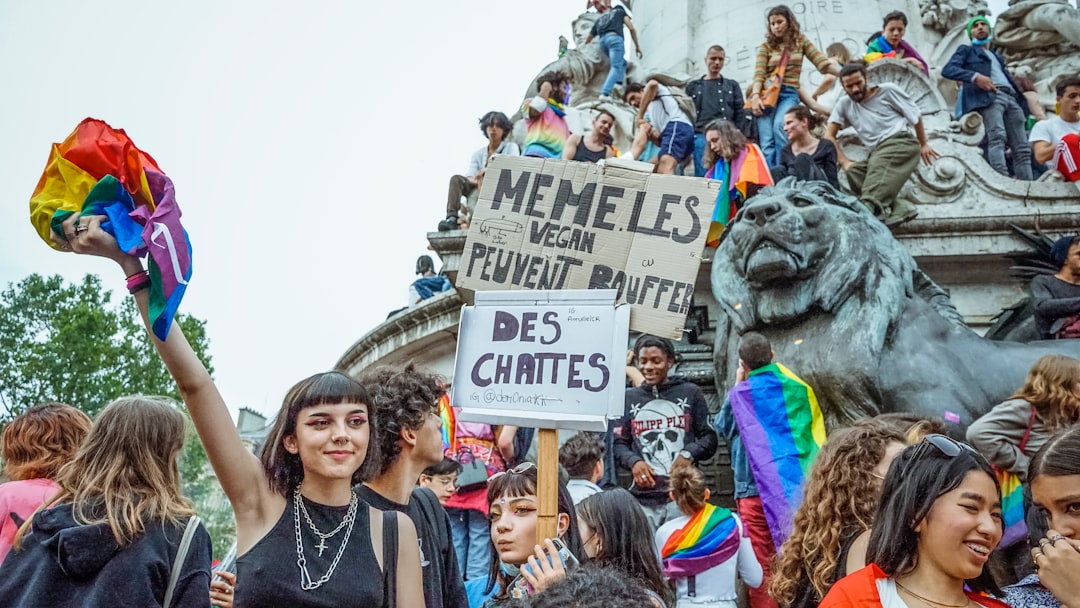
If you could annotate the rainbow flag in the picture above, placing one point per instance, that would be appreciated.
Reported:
(749, 168)
(782, 430)
(98, 170)
(1012, 507)
(449, 424)
(710, 538)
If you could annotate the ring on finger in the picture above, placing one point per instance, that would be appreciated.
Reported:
(1045, 541)
(1035, 555)
(81, 228)
(1055, 538)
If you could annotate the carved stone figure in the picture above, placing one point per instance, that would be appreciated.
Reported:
(1040, 39)
(847, 309)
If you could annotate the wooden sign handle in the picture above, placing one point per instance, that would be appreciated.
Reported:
(547, 482)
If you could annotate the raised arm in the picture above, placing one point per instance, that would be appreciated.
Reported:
(237, 469)
(633, 36)
(647, 96)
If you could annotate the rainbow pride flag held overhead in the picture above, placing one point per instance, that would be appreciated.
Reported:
(710, 538)
(748, 168)
(1012, 507)
(98, 170)
(782, 430)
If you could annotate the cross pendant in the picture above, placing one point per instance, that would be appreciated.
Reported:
(321, 546)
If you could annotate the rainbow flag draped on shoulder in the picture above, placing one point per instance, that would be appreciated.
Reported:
(782, 430)
(748, 169)
(98, 170)
(710, 538)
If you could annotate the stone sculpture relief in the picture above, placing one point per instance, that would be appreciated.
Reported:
(1040, 39)
(847, 308)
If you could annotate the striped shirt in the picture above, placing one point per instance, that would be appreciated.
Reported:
(768, 60)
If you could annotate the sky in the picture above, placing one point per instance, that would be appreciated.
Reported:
(310, 145)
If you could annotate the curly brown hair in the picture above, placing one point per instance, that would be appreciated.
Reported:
(732, 142)
(403, 398)
(41, 440)
(1050, 388)
(839, 503)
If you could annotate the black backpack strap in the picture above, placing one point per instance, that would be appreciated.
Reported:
(691, 586)
(390, 551)
(435, 515)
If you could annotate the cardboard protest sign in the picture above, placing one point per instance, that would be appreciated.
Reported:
(553, 224)
(547, 359)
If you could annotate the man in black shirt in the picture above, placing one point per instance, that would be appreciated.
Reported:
(1057, 296)
(715, 97)
(608, 29)
(410, 438)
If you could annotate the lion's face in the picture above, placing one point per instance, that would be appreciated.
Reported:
(794, 248)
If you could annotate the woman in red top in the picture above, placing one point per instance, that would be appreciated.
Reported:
(938, 521)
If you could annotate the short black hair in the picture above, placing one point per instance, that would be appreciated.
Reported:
(580, 454)
(894, 16)
(853, 67)
(600, 111)
(755, 350)
(1071, 81)
(554, 77)
(448, 466)
(650, 341)
(497, 119)
(424, 263)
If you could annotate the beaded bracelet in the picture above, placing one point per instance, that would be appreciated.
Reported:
(138, 282)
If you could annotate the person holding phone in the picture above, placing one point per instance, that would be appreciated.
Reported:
(519, 566)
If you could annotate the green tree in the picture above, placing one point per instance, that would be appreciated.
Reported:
(67, 342)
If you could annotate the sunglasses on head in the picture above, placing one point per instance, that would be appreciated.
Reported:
(948, 446)
(518, 470)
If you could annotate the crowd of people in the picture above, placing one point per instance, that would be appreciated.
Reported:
(787, 125)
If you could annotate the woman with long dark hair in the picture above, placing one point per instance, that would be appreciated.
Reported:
(1054, 476)
(805, 156)
(937, 523)
(782, 55)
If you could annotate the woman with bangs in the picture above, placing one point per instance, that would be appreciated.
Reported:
(112, 534)
(937, 523)
(832, 526)
(34, 446)
(1049, 402)
(303, 536)
(519, 566)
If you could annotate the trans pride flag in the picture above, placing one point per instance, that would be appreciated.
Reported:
(748, 168)
(98, 170)
(710, 538)
(782, 430)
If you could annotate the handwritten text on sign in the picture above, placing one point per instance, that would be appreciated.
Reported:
(550, 224)
(542, 361)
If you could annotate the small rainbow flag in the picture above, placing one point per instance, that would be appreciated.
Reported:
(1012, 507)
(98, 170)
(449, 424)
(749, 168)
(782, 430)
(710, 538)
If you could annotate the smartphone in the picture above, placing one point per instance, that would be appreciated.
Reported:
(228, 563)
(568, 559)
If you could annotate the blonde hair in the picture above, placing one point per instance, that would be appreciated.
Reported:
(1050, 388)
(125, 473)
(688, 489)
(839, 502)
(40, 440)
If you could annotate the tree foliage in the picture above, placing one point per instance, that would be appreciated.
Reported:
(68, 342)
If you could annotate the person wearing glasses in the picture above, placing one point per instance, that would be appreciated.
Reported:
(441, 479)
(518, 565)
(1054, 476)
(938, 521)
(832, 526)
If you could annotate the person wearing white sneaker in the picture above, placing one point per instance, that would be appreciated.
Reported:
(608, 28)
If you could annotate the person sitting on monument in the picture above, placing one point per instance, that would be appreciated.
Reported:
(429, 283)
(676, 129)
(496, 127)
(609, 29)
(829, 91)
(546, 130)
(988, 88)
(1057, 296)
(805, 156)
(715, 98)
(890, 43)
(1056, 140)
(782, 393)
(583, 458)
(781, 55)
(880, 115)
(594, 146)
(740, 165)
(665, 426)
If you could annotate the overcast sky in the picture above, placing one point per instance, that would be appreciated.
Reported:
(310, 144)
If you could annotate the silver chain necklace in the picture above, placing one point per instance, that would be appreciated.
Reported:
(350, 518)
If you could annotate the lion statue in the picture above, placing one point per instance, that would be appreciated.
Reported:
(846, 307)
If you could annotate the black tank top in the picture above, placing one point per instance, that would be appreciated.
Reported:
(584, 154)
(267, 576)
